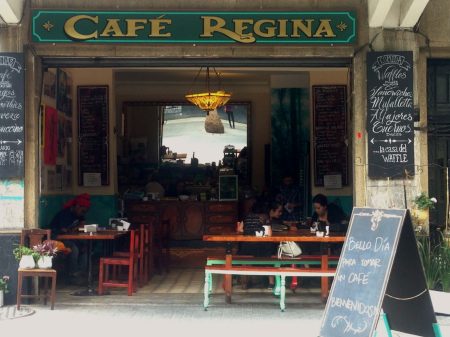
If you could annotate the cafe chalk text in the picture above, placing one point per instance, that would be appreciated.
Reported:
(179, 27)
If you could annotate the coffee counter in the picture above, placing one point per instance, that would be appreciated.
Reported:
(189, 220)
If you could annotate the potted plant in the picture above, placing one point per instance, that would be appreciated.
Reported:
(3, 288)
(420, 213)
(45, 251)
(26, 256)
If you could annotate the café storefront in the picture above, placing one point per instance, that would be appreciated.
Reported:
(147, 56)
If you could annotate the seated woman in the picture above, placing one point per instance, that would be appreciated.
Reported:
(331, 214)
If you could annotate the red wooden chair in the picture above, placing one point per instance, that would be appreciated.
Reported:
(130, 260)
(142, 272)
(30, 238)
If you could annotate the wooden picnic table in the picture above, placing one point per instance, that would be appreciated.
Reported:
(296, 236)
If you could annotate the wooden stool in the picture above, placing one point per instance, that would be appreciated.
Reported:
(44, 273)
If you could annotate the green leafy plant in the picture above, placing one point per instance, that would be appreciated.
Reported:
(436, 262)
(430, 263)
(444, 253)
(424, 202)
(4, 284)
(20, 251)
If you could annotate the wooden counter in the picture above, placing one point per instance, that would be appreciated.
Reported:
(189, 220)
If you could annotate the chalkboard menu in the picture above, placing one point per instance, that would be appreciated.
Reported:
(390, 114)
(93, 124)
(378, 242)
(12, 95)
(330, 132)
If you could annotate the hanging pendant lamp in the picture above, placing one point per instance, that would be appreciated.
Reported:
(209, 100)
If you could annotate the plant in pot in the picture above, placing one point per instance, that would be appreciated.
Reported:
(45, 251)
(3, 288)
(26, 256)
(420, 212)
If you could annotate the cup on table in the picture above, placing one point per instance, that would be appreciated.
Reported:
(320, 234)
(267, 230)
(120, 228)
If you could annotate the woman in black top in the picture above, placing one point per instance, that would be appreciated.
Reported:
(331, 214)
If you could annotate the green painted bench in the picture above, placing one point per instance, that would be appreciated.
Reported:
(281, 272)
(274, 261)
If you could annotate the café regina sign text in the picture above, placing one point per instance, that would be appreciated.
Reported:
(193, 27)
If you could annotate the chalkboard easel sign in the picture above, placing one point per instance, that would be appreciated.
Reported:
(12, 107)
(379, 268)
(93, 124)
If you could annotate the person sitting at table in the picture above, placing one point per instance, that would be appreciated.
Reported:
(329, 213)
(67, 220)
(288, 195)
(258, 217)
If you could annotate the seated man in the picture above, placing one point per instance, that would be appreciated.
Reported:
(69, 219)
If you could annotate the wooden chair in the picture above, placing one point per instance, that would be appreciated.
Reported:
(142, 272)
(30, 238)
(129, 260)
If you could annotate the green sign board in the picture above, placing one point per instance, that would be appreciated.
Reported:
(193, 27)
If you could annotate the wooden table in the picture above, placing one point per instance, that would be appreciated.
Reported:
(297, 236)
(90, 237)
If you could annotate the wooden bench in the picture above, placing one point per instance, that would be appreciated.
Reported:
(282, 272)
(247, 260)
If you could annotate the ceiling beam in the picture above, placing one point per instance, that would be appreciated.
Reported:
(378, 10)
(411, 10)
(11, 10)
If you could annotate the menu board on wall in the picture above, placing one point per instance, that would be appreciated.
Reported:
(390, 114)
(330, 132)
(12, 95)
(93, 123)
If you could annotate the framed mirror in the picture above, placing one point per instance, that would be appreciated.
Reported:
(181, 134)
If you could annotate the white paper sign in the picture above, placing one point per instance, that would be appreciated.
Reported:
(332, 181)
(92, 179)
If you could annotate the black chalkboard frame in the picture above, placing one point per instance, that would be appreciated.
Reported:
(411, 314)
(101, 140)
(390, 153)
(319, 178)
(12, 151)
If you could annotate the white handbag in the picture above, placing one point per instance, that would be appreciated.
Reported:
(288, 249)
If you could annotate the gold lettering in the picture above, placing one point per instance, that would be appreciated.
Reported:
(132, 26)
(240, 26)
(300, 25)
(112, 27)
(268, 31)
(158, 25)
(213, 24)
(324, 28)
(282, 28)
(69, 27)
